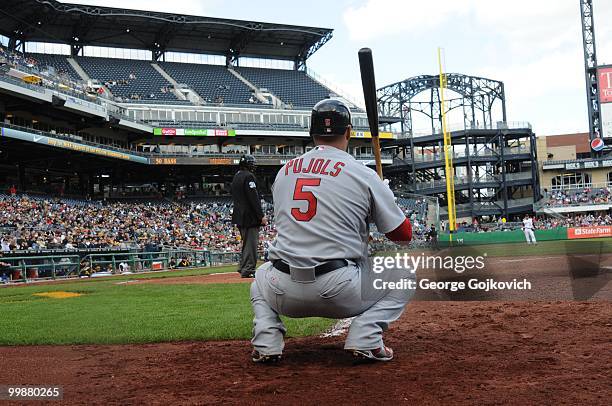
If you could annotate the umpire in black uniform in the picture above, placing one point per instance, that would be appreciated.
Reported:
(247, 214)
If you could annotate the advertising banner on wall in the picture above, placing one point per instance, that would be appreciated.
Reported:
(222, 132)
(195, 132)
(589, 232)
(367, 134)
(203, 160)
(71, 145)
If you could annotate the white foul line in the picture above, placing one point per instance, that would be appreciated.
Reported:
(526, 259)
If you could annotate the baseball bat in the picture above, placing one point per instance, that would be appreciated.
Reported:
(366, 66)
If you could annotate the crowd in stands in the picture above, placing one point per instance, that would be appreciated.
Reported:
(577, 197)
(587, 219)
(39, 223)
(575, 220)
(17, 59)
(53, 77)
(422, 232)
(36, 224)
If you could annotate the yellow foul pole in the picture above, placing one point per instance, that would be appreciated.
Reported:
(448, 153)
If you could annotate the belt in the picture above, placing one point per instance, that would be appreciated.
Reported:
(322, 269)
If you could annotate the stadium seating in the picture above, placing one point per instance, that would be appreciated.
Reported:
(199, 223)
(59, 63)
(292, 87)
(212, 82)
(416, 206)
(138, 80)
(45, 198)
(202, 222)
(576, 197)
(133, 77)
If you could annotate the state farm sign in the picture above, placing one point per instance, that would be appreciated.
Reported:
(589, 232)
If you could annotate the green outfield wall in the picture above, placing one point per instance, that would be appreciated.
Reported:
(500, 237)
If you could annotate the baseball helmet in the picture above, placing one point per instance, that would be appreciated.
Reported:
(329, 117)
(247, 161)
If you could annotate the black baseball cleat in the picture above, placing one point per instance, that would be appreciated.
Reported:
(259, 358)
(379, 354)
(247, 275)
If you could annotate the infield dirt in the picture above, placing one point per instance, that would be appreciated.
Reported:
(446, 352)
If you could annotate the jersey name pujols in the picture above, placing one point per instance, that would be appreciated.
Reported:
(316, 166)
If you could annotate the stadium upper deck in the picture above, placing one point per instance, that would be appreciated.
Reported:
(82, 123)
(145, 94)
(81, 26)
(85, 25)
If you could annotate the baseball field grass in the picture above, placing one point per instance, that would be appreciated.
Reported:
(111, 311)
(557, 247)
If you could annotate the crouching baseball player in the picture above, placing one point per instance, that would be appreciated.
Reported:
(323, 203)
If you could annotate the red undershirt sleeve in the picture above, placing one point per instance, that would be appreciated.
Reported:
(402, 234)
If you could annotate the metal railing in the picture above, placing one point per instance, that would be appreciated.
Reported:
(511, 203)
(63, 266)
(499, 125)
(518, 176)
(575, 188)
(147, 261)
(40, 267)
(19, 82)
(432, 184)
(463, 154)
(543, 205)
(56, 86)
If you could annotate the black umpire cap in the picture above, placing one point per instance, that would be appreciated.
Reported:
(247, 161)
(329, 117)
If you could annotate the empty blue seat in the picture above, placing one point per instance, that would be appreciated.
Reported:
(214, 83)
(132, 77)
(59, 63)
(292, 87)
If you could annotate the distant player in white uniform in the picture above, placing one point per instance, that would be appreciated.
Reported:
(528, 230)
(324, 201)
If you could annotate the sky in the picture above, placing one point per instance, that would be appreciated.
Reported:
(533, 46)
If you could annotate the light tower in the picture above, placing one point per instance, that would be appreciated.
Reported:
(590, 68)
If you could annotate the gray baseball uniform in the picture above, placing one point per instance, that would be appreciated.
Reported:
(323, 203)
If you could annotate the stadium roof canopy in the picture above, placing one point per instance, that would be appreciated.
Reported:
(86, 25)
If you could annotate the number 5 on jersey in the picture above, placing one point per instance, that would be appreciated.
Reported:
(300, 194)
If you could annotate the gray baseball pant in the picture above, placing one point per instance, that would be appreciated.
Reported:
(335, 295)
(248, 259)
